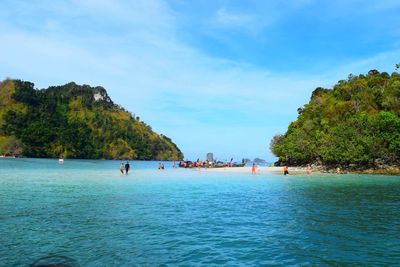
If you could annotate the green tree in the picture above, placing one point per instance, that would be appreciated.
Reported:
(355, 122)
(76, 121)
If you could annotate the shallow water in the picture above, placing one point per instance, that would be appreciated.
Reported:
(87, 211)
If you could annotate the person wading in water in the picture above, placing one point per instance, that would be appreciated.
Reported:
(253, 169)
(121, 168)
(127, 166)
(285, 170)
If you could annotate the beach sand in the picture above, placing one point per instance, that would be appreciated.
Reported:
(262, 170)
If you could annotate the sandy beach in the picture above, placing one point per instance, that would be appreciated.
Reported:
(261, 170)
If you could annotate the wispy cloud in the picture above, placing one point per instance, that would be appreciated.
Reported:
(239, 21)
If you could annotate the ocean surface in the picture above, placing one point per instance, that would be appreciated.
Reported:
(86, 213)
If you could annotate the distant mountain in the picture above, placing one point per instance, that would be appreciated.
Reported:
(74, 121)
(259, 161)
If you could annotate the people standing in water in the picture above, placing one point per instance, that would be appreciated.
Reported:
(127, 166)
(253, 169)
(173, 165)
(121, 168)
(308, 169)
(285, 170)
(161, 166)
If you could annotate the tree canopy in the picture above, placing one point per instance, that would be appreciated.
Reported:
(74, 121)
(355, 122)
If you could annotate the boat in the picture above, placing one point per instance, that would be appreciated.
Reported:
(186, 164)
(218, 164)
(238, 164)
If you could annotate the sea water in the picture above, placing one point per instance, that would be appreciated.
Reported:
(89, 213)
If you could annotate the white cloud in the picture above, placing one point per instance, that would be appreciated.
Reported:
(248, 22)
(175, 88)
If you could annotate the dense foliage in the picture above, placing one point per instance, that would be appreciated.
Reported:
(356, 122)
(74, 121)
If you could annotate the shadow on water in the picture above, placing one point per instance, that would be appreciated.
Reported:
(55, 261)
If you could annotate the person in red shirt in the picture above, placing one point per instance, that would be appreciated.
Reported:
(253, 169)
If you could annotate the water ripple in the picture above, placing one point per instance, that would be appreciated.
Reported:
(93, 215)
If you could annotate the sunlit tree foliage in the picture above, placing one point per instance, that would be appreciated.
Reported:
(355, 122)
(74, 121)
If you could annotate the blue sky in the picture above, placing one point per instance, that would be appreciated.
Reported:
(215, 76)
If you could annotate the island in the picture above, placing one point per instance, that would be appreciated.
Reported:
(354, 126)
(74, 121)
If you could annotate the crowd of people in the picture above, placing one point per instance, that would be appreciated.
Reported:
(125, 167)
(255, 169)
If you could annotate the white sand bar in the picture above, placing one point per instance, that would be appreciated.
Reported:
(247, 169)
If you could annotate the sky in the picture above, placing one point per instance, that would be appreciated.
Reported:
(213, 75)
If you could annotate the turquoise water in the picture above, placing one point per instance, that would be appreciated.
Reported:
(87, 211)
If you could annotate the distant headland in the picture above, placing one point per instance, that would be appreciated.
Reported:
(74, 121)
(355, 126)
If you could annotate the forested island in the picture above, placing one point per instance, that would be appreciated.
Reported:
(355, 125)
(74, 121)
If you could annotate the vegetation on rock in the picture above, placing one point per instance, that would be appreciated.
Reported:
(74, 121)
(355, 123)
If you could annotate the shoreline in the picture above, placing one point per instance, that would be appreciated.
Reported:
(302, 170)
(384, 170)
(262, 169)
